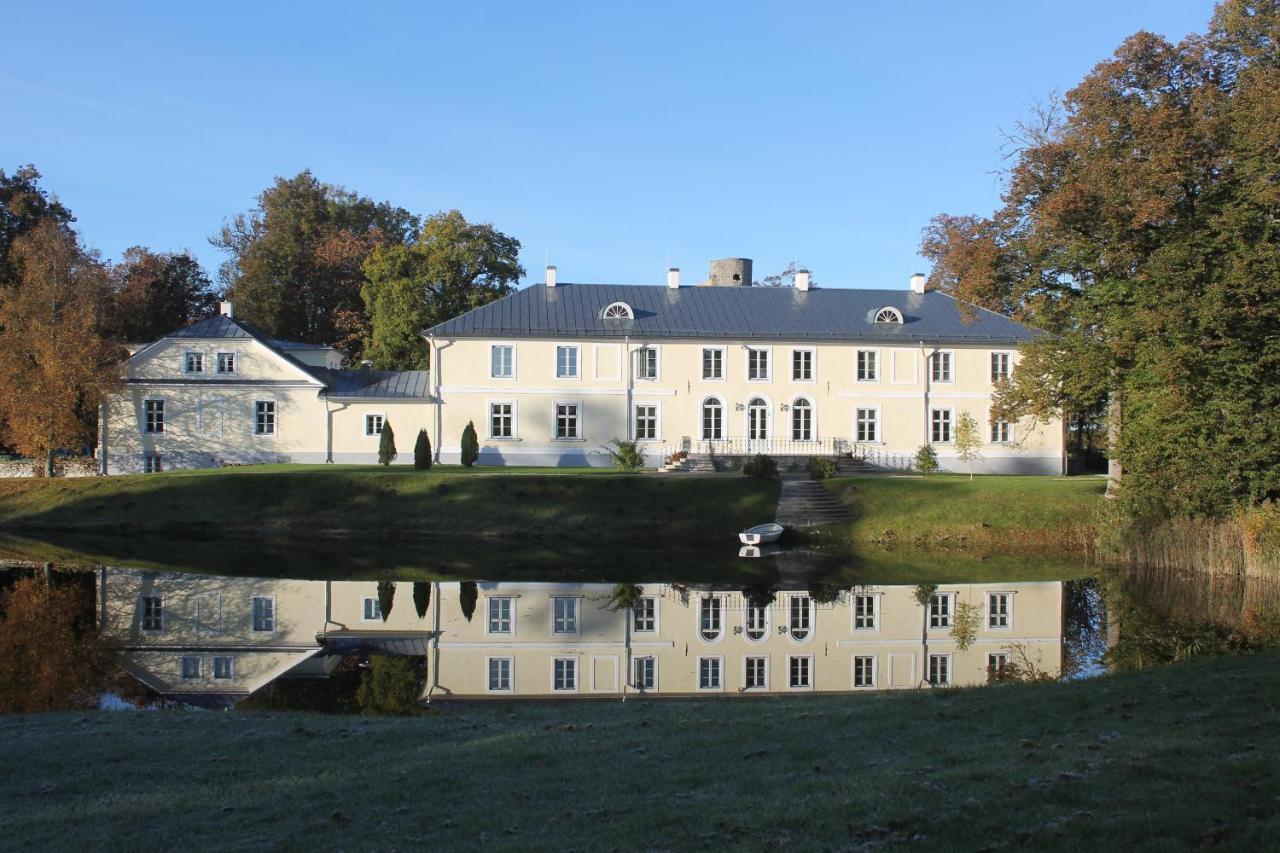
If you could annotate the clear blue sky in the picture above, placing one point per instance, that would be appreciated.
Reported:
(613, 138)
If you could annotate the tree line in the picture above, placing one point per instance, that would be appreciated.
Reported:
(1140, 225)
(309, 261)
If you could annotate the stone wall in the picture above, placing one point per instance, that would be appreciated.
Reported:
(72, 466)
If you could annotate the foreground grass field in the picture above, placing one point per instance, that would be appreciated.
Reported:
(372, 501)
(1176, 758)
(951, 511)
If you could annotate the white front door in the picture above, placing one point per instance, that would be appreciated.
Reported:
(757, 426)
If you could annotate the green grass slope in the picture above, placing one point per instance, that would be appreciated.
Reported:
(1169, 759)
(952, 511)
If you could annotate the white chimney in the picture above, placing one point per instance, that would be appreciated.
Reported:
(673, 278)
(551, 276)
(224, 308)
(802, 279)
(917, 283)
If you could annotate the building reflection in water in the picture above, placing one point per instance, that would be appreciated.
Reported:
(216, 639)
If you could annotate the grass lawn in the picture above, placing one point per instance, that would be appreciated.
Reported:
(994, 513)
(370, 501)
(1175, 758)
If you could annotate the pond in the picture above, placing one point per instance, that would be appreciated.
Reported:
(532, 628)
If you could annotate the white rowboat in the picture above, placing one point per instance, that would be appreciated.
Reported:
(761, 534)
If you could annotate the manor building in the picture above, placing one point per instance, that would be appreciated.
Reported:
(551, 374)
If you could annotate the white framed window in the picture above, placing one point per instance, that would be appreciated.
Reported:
(502, 361)
(940, 670)
(646, 361)
(373, 424)
(644, 615)
(864, 671)
(758, 419)
(224, 667)
(152, 613)
(996, 662)
(802, 369)
(866, 424)
(800, 609)
(755, 622)
(757, 364)
(499, 674)
(153, 416)
(646, 421)
(567, 361)
(564, 615)
(264, 417)
(190, 667)
(889, 315)
(564, 674)
(372, 610)
(1001, 366)
(227, 363)
(151, 463)
(713, 364)
(800, 672)
(644, 673)
(209, 417)
(502, 419)
(941, 607)
(940, 426)
(755, 673)
(712, 419)
(866, 612)
(710, 618)
(999, 611)
(868, 365)
(567, 426)
(710, 673)
(193, 362)
(500, 616)
(801, 420)
(264, 614)
(1001, 433)
(617, 311)
(941, 366)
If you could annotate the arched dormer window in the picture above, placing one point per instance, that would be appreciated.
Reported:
(617, 311)
(889, 314)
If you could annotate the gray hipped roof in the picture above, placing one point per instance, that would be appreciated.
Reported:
(747, 313)
(380, 384)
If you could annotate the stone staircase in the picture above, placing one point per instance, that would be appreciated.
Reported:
(688, 465)
(847, 467)
(804, 503)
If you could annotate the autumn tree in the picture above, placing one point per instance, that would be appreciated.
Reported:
(1139, 226)
(451, 267)
(295, 259)
(968, 440)
(24, 204)
(51, 656)
(55, 361)
(155, 293)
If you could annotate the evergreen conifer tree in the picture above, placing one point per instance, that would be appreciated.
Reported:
(470, 445)
(422, 451)
(387, 445)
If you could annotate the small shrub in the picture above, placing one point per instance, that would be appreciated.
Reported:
(926, 459)
(824, 593)
(761, 466)
(626, 455)
(470, 445)
(820, 467)
(387, 445)
(389, 686)
(422, 451)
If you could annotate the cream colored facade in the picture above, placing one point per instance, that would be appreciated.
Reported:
(901, 397)
(540, 640)
(211, 417)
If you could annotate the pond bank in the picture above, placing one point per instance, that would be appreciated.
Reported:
(1083, 764)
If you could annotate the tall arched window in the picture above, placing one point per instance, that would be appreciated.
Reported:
(712, 420)
(801, 420)
(710, 618)
(757, 420)
(756, 622)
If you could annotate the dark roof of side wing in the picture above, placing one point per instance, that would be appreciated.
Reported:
(375, 384)
(749, 313)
